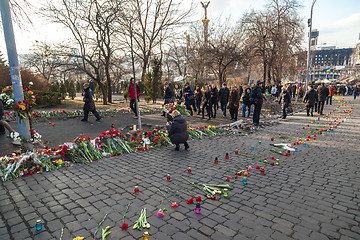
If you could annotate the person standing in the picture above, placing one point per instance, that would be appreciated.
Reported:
(167, 94)
(178, 94)
(198, 98)
(257, 99)
(273, 90)
(246, 103)
(286, 99)
(234, 103)
(133, 97)
(323, 93)
(214, 100)
(331, 94)
(207, 103)
(355, 91)
(189, 98)
(3, 123)
(224, 98)
(310, 98)
(177, 130)
(241, 91)
(89, 104)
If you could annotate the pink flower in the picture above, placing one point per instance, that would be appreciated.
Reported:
(160, 214)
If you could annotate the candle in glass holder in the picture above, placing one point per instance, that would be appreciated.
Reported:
(236, 151)
(252, 147)
(262, 170)
(39, 225)
(245, 180)
(226, 192)
(136, 190)
(227, 156)
(277, 161)
(216, 160)
(197, 208)
(168, 177)
(189, 170)
(259, 142)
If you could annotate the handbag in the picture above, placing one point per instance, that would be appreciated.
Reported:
(192, 97)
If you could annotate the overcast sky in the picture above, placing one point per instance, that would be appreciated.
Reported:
(338, 21)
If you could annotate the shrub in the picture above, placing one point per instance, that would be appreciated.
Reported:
(48, 99)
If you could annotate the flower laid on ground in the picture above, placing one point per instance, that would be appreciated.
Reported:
(141, 222)
(125, 225)
(79, 238)
(198, 198)
(174, 204)
(189, 201)
(162, 211)
(169, 108)
(105, 232)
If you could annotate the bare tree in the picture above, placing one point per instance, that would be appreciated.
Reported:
(275, 36)
(152, 22)
(93, 28)
(43, 59)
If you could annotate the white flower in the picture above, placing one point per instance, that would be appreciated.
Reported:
(2, 96)
(10, 101)
(31, 83)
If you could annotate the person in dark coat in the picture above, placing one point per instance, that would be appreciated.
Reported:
(89, 105)
(323, 93)
(189, 98)
(178, 93)
(198, 98)
(177, 130)
(224, 98)
(234, 103)
(133, 96)
(207, 102)
(241, 91)
(286, 99)
(246, 102)
(257, 99)
(4, 124)
(167, 94)
(310, 98)
(214, 100)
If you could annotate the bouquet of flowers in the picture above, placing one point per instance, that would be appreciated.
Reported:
(169, 108)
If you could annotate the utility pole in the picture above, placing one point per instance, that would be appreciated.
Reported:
(133, 68)
(23, 124)
(309, 49)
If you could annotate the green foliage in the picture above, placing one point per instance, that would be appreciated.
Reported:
(48, 99)
(63, 90)
(78, 87)
(71, 90)
(153, 81)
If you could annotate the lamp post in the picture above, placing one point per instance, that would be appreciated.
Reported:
(308, 56)
(23, 124)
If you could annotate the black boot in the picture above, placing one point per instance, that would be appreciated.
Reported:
(177, 148)
(186, 146)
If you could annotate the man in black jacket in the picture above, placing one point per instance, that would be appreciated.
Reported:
(167, 94)
(224, 98)
(310, 98)
(257, 99)
(323, 93)
(89, 105)
(214, 100)
(286, 99)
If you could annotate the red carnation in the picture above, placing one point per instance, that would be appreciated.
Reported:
(198, 198)
(213, 197)
(227, 179)
(257, 167)
(17, 106)
(272, 163)
(124, 226)
(191, 200)
(19, 102)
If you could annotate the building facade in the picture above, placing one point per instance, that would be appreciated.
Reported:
(330, 56)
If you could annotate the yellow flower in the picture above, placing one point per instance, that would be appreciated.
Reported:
(30, 92)
(22, 107)
(60, 161)
(78, 238)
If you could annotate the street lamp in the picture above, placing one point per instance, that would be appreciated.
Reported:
(308, 56)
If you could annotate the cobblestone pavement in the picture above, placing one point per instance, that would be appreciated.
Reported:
(312, 194)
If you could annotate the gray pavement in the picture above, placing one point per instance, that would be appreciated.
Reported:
(313, 194)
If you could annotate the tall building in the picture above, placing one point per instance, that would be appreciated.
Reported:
(356, 55)
(331, 56)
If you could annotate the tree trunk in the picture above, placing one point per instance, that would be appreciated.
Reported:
(109, 84)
